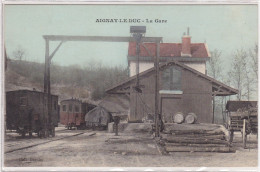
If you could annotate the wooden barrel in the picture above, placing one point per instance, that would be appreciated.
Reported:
(178, 118)
(191, 118)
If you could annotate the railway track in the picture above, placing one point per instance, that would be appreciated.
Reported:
(37, 144)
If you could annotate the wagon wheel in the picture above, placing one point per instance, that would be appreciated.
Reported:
(23, 134)
(244, 134)
(30, 134)
(231, 131)
(231, 136)
(52, 132)
(40, 133)
(46, 133)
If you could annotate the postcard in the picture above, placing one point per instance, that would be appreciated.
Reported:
(121, 86)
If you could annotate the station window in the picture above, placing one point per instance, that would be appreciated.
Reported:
(70, 107)
(171, 78)
(64, 108)
(76, 108)
(23, 101)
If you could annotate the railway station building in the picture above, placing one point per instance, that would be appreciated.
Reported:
(184, 85)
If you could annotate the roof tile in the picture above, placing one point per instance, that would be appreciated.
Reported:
(168, 49)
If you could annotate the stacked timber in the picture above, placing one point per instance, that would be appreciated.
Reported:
(195, 140)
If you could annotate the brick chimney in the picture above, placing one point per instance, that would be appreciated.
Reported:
(185, 46)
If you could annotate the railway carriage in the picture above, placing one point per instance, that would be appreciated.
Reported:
(73, 111)
(26, 112)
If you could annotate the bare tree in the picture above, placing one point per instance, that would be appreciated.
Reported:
(252, 73)
(215, 71)
(215, 66)
(249, 80)
(237, 72)
(19, 53)
(254, 59)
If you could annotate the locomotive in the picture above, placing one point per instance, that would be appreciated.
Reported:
(72, 113)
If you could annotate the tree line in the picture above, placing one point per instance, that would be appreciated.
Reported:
(95, 76)
(241, 74)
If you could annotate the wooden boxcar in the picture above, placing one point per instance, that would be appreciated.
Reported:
(26, 112)
(73, 111)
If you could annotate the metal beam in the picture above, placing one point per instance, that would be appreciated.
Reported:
(99, 38)
(148, 51)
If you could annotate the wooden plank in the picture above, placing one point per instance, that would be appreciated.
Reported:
(198, 149)
(195, 145)
(180, 132)
(196, 135)
(236, 128)
(236, 125)
(199, 141)
(221, 137)
(236, 120)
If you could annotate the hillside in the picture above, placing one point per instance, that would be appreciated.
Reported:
(71, 81)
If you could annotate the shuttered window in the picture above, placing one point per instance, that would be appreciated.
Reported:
(171, 78)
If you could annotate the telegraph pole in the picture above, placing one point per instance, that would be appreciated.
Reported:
(156, 105)
(137, 32)
(47, 91)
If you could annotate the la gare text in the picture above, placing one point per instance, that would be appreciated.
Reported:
(130, 21)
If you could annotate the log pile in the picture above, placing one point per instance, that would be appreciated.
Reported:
(195, 141)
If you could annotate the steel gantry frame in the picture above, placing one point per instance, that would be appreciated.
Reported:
(65, 38)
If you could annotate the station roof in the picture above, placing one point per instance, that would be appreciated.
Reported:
(218, 88)
(198, 50)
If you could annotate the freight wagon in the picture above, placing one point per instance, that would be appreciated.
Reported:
(73, 111)
(26, 112)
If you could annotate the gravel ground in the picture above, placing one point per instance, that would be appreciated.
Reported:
(103, 149)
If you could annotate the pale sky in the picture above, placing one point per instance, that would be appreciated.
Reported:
(223, 27)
